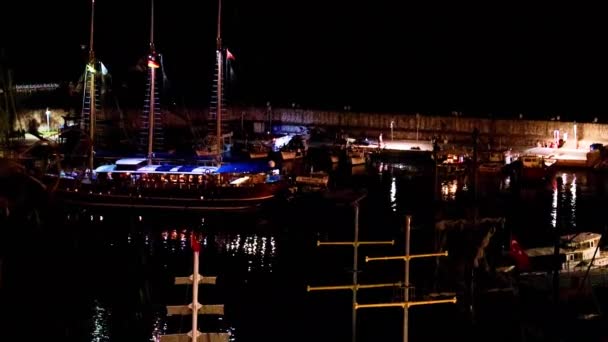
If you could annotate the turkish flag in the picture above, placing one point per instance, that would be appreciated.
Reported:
(520, 257)
(195, 244)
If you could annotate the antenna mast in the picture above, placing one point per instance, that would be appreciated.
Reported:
(220, 140)
(152, 65)
(91, 70)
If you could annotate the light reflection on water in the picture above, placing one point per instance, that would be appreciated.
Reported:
(449, 189)
(564, 201)
(159, 327)
(101, 318)
(393, 194)
(259, 250)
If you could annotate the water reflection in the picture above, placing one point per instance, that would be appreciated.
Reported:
(101, 317)
(449, 189)
(573, 202)
(259, 250)
(564, 201)
(554, 207)
(159, 327)
(393, 194)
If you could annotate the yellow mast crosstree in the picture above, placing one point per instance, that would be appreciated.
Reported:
(406, 304)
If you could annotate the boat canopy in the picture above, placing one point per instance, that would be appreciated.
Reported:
(139, 166)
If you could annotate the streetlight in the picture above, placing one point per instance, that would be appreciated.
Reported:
(48, 116)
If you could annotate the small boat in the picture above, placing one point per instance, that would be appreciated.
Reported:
(289, 155)
(533, 168)
(494, 163)
(577, 252)
(315, 181)
(490, 167)
(355, 158)
(582, 262)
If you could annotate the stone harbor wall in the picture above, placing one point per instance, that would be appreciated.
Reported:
(453, 129)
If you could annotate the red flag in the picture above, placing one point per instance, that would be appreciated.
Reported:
(520, 257)
(195, 244)
(229, 55)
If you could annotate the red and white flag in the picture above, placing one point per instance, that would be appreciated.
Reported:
(519, 256)
(195, 244)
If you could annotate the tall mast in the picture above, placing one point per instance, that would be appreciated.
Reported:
(220, 141)
(152, 66)
(91, 70)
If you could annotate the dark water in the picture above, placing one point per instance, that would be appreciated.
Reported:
(107, 276)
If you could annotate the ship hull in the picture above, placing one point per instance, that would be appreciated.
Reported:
(218, 199)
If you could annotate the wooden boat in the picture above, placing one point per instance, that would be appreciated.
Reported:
(132, 183)
(315, 181)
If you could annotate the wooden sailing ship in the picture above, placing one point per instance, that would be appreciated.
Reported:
(155, 183)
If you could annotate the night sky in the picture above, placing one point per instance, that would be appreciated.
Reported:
(378, 55)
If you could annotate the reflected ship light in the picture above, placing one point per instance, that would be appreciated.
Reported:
(573, 201)
(448, 190)
(393, 194)
(260, 250)
(101, 329)
(554, 208)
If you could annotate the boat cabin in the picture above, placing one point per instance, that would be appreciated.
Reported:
(577, 251)
(532, 161)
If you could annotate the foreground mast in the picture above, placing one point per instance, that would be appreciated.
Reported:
(195, 308)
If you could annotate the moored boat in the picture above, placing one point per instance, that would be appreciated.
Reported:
(581, 263)
(133, 183)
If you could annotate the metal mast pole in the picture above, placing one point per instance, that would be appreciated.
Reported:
(355, 285)
(355, 271)
(92, 118)
(406, 291)
(220, 141)
(406, 302)
(195, 282)
(152, 86)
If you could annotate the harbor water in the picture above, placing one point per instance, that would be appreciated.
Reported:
(107, 275)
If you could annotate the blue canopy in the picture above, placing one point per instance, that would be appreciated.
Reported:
(252, 166)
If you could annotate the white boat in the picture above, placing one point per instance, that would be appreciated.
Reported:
(578, 252)
(583, 265)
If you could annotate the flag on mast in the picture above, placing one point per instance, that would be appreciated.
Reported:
(195, 244)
